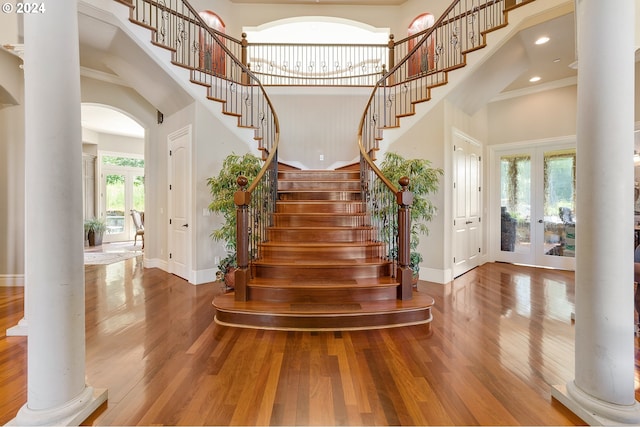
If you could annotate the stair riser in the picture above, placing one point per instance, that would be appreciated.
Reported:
(334, 322)
(319, 195)
(325, 253)
(319, 175)
(306, 272)
(337, 207)
(319, 185)
(325, 296)
(318, 235)
(319, 220)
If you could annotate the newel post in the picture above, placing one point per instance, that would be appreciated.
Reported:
(404, 197)
(244, 43)
(392, 56)
(242, 199)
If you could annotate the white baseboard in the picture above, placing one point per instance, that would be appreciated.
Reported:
(156, 263)
(203, 276)
(196, 277)
(436, 275)
(11, 279)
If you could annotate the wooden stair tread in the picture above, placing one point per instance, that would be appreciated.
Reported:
(321, 227)
(320, 214)
(321, 263)
(324, 283)
(311, 245)
(320, 202)
(311, 179)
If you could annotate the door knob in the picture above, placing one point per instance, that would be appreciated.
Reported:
(540, 221)
(186, 225)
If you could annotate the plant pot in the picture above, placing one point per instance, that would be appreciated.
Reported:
(95, 239)
(230, 278)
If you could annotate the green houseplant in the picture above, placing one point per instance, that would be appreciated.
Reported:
(424, 180)
(94, 229)
(222, 188)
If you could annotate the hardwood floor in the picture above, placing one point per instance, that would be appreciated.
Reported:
(501, 335)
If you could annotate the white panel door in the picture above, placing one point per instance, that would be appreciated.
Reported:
(179, 202)
(467, 238)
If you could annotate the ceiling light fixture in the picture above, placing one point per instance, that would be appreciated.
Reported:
(535, 79)
(542, 40)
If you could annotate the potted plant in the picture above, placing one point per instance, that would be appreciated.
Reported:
(222, 188)
(423, 181)
(94, 229)
(226, 270)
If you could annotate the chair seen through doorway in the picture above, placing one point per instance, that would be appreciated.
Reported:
(138, 222)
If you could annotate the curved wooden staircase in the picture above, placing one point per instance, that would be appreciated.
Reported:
(319, 265)
(320, 268)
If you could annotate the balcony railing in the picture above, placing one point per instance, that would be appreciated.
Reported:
(317, 64)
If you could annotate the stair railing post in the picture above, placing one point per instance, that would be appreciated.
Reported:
(242, 199)
(392, 56)
(244, 43)
(404, 197)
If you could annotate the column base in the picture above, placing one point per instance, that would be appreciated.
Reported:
(20, 330)
(593, 411)
(71, 413)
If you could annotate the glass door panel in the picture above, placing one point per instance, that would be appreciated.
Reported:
(138, 192)
(515, 203)
(115, 205)
(559, 171)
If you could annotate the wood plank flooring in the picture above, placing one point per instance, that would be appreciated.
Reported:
(501, 335)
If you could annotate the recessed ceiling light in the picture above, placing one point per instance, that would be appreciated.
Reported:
(534, 79)
(542, 40)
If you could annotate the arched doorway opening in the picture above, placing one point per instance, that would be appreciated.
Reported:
(113, 168)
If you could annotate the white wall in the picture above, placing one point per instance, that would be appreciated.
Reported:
(213, 142)
(120, 144)
(425, 139)
(533, 117)
(314, 123)
(11, 174)
(11, 27)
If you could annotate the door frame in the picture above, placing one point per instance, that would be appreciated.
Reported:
(495, 151)
(171, 268)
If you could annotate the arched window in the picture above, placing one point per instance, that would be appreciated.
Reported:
(211, 54)
(317, 29)
(423, 59)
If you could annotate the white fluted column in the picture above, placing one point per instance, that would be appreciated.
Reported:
(603, 389)
(54, 270)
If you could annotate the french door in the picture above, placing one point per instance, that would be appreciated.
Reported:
(533, 207)
(122, 189)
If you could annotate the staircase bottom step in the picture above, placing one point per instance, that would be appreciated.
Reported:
(320, 316)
